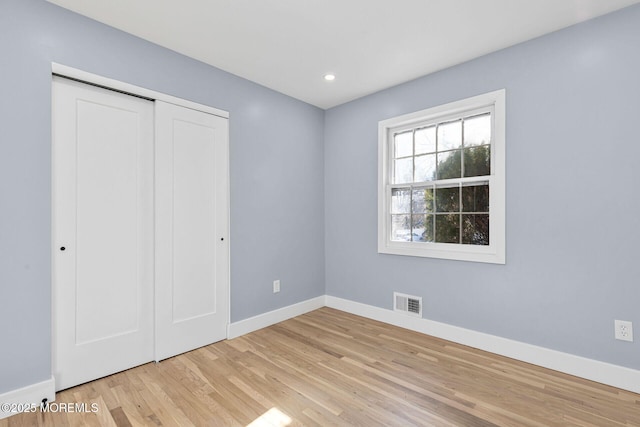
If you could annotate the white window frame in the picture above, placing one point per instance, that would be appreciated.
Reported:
(495, 251)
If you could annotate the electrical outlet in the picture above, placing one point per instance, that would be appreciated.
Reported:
(276, 286)
(624, 330)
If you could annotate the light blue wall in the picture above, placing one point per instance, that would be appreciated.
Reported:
(573, 200)
(277, 214)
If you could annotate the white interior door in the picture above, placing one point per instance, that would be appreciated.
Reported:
(192, 251)
(102, 232)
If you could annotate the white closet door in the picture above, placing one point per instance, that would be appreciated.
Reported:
(102, 232)
(192, 251)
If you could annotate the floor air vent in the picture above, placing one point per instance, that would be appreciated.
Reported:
(407, 304)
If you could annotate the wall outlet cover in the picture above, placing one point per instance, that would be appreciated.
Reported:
(623, 330)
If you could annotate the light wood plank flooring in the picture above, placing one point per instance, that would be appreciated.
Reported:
(329, 368)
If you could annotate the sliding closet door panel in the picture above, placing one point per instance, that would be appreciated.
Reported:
(107, 218)
(192, 252)
(102, 232)
(194, 227)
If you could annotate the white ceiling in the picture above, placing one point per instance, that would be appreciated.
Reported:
(288, 45)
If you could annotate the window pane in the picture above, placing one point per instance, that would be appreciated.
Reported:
(422, 200)
(449, 164)
(448, 199)
(426, 140)
(477, 130)
(403, 170)
(417, 227)
(401, 228)
(400, 201)
(422, 228)
(425, 168)
(475, 198)
(475, 229)
(477, 161)
(450, 135)
(404, 144)
(448, 228)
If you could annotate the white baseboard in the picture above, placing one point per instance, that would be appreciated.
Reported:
(602, 372)
(260, 321)
(31, 394)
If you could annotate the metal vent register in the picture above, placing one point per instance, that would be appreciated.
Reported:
(408, 304)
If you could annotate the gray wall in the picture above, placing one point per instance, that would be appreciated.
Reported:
(573, 201)
(277, 214)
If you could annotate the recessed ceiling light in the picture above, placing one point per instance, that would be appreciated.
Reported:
(329, 77)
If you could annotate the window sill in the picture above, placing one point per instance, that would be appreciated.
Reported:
(486, 254)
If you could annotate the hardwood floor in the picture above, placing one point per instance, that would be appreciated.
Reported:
(331, 368)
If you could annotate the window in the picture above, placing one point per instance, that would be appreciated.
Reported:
(442, 181)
